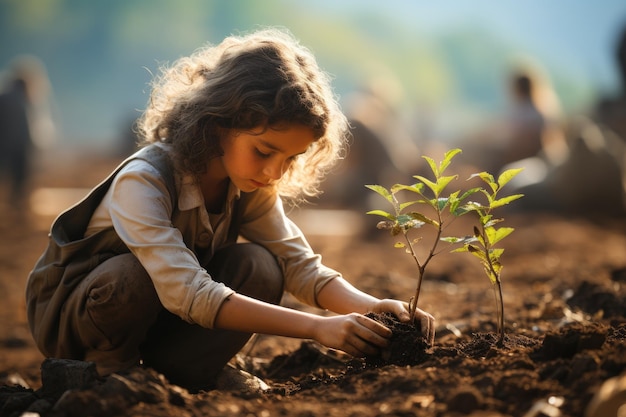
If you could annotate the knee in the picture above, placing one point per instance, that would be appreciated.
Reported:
(249, 269)
(114, 308)
(121, 285)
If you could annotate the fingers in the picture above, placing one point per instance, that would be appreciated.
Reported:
(427, 322)
(361, 336)
(359, 348)
(373, 325)
(367, 336)
(401, 310)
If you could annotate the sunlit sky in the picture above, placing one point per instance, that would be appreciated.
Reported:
(576, 33)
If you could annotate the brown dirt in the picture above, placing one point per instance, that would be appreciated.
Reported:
(564, 286)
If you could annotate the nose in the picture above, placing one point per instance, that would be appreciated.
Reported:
(275, 169)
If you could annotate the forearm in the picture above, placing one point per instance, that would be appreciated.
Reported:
(249, 315)
(348, 331)
(340, 297)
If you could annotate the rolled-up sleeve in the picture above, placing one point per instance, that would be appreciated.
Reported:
(265, 222)
(140, 209)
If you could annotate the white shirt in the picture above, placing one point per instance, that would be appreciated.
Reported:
(139, 207)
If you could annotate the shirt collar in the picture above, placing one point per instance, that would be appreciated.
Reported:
(190, 195)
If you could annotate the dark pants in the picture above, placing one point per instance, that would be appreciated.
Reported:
(119, 320)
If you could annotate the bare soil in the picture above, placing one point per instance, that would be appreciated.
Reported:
(564, 284)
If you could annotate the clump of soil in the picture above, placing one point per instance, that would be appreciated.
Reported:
(407, 345)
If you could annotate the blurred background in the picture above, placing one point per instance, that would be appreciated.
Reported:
(417, 75)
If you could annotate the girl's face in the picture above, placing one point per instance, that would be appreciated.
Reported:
(254, 160)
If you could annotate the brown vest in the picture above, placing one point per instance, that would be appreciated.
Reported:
(70, 256)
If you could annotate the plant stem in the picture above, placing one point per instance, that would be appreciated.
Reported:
(497, 289)
(420, 268)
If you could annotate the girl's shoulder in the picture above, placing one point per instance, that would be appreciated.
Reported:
(157, 154)
(150, 162)
(139, 166)
(153, 158)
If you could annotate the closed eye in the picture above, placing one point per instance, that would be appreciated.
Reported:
(261, 154)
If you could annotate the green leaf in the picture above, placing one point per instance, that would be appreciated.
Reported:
(383, 213)
(490, 197)
(493, 278)
(483, 175)
(414, 188)
(469, 193)
(432, 164)
(475, 250)
(494, 254)
(504, 200)
(442, 183)
(461, 249)
(403, 219)
(428, 183)
(491, 222)
(455, 207)
(408, 221)
(381, 191)
(453, 200)
(473, 206)
(459, 211)
(508, 175)
(485, 219)
(406, 204)
(495, 235)
(454, 239)
(422, 218)
(478, 235)
(494, 275)
(487, 178)
(447, 159)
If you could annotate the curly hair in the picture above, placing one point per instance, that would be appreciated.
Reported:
(263, 79)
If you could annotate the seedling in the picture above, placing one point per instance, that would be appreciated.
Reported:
(403, 220)
(487, 235)
(440, 208)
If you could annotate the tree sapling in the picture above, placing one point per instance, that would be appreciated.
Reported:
(486, 235)
(405, 219)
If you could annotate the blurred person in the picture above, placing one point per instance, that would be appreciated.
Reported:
(589, 179)
(15, 139)
(25, 123)
(531, 127)
(148, 268)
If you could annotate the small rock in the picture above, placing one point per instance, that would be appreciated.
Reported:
(60, 375)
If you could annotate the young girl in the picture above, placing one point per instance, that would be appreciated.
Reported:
(149, 267)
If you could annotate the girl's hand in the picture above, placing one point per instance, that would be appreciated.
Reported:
(401, 311)
(352, 333)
